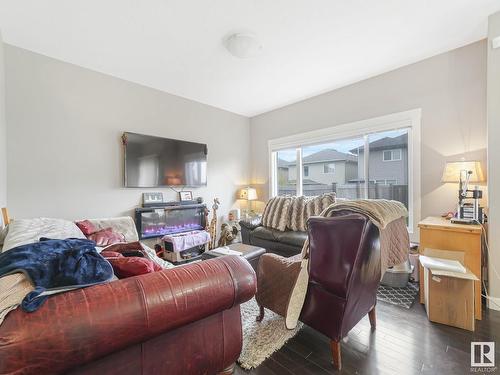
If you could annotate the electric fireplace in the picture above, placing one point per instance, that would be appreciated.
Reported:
(154, 222)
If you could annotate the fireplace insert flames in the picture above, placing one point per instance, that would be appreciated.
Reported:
(154, 222)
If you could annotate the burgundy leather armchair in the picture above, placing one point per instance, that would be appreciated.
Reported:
(344, 274)
(180, 321)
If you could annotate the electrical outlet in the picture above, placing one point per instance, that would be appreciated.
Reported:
(495, 43)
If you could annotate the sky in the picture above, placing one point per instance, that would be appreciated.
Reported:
(342, 146)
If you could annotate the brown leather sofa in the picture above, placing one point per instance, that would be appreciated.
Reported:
(344, 274)
(179, 321)
(287, 243)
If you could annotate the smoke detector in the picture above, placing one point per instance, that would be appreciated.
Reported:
(243, 45)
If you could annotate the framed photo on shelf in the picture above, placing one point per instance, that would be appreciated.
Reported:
(185, 196)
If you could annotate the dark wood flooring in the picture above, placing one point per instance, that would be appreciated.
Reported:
(405, 342)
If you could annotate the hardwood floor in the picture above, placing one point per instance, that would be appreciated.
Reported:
(405, 342)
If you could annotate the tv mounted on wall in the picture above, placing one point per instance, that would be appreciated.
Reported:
(155, 161)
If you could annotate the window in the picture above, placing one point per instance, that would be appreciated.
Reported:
(329, 168)
(333, 167)
(286, 172)
(392, 155)
(388, 174)
(350, 160)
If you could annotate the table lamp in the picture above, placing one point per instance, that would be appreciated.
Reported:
(465, 172)
(249, 194)
(454, 169)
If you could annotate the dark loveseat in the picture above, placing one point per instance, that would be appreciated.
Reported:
(285, 243)
(282, 228)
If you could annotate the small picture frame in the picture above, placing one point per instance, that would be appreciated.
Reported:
(185, 196)
(150, 199)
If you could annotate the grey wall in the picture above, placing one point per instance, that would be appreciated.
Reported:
(449, 88)
(494, 159)
(65, 155)
(3, 133)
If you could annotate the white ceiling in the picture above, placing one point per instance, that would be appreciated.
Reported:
(310, 46)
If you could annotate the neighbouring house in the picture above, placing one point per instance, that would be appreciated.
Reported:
(388, 160)
(321, 170)
(324, 167)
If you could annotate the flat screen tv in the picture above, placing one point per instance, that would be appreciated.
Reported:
(155, 161)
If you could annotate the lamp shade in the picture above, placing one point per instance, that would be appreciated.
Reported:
(453, 169)
(248, 193)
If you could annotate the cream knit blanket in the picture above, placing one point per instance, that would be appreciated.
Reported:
(13, 288)
(394, 243)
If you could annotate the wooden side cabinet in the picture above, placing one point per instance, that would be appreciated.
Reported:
(439, 233)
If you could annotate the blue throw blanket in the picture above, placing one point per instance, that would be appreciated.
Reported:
(56, 265)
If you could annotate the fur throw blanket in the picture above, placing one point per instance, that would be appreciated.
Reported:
(291, 213)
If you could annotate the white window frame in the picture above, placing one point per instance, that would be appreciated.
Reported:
(304, 170)
(408, 119)
(326, 164)
(392, 155)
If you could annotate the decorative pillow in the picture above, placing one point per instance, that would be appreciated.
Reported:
(86, 227)
(128, 249)
(302, 208)
(127, 246)
(133, 266)
(124, 225)
(111, 254)
(276, 213)
(106, 237)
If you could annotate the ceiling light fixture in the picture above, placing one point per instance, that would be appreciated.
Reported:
(243, 45)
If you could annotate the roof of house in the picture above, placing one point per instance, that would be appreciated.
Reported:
(386, 143)
(323, 156)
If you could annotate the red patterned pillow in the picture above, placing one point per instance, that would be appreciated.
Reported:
(132, 266)
(127, 246)
(106, 237)
(86, 227)
(111, 254)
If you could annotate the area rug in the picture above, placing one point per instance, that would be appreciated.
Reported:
(261, 339)
(403, 297)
